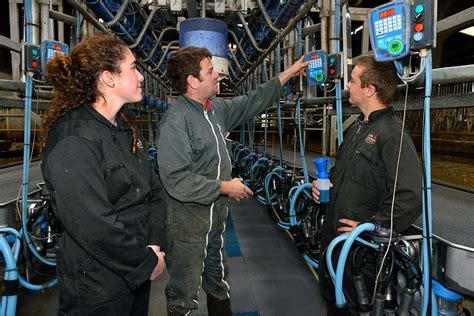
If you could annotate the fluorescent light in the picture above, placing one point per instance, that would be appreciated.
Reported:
(469, 31)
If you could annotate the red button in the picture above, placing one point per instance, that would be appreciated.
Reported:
(34, 64)
(332, 71)
(419, 27)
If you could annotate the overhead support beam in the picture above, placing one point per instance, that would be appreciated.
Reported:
(14, 103)
(291, 25)
(18, 86)
(456, 21)
(440, 76)
(444, 102)
(7, 43)
(453, 74)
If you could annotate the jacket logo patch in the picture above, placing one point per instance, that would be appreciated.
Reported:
(139, 143)
(371, 139)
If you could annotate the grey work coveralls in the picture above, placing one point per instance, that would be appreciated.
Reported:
(192, 161)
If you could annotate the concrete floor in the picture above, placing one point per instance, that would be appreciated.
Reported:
(270, 277)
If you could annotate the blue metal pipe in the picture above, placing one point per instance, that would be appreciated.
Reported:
(101, 11)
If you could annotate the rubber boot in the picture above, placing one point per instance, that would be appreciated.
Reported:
(216, 307)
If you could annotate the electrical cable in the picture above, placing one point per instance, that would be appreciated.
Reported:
(392, 207)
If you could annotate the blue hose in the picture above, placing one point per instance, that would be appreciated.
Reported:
(11, 274)
(274, 172)
(333, 245)
(340, 299)
(427, 209)
(300, 188)
(310, 260)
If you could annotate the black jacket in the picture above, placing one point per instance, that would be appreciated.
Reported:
(363, 177)
(110, 202)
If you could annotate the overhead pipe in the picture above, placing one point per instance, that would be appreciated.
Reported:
(323, 13)
(203, 8)
(35, 22)
(291, 25)
(242, 52)
(249, 33)
(79, 6)
(308, 30)
(119, 14)
(89, 17)
(191, 8)
(158, 41)
(100, 8)
(335, 41)
(145, 28)
(45, 26)
(231, 53)
(233, 73)
(164, 54)
(58, 16)
(267, 18)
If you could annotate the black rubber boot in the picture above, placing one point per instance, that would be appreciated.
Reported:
(216, 307)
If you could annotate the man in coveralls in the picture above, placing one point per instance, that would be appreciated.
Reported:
(365, 171)
(195, 168)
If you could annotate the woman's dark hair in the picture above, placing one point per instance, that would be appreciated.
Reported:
(381, 75)
(184, 62)
(75, 76)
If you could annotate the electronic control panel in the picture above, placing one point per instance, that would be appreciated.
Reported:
(334, 67)
(31, 58)
(422, 13)
(49, 49)
(317, 70)
(390, 30)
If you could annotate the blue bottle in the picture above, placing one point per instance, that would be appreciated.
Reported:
(323, 178)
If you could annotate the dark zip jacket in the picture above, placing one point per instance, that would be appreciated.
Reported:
(109, 201)
(364, 174)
